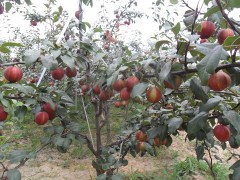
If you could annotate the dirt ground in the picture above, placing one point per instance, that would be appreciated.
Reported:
(51, 165)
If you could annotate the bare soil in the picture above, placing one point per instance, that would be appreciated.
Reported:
(51, 165)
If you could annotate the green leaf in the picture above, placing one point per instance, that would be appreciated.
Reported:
(68, 60)
(12, 44)
(231, 42)
(210, 104)
(48, 62)
(138, 89)
(176, 29)
(45, 140)
(18, 1)
(234, 4)
(14, 174)
(98, 57)
(57, 140)
(101, 177)
(211, 11)
(160, 43)
(20, 112)
(174, 124)
(28, 2)
(198, 91)
(235, 165)
(148, 148)
(200, 152)
(196, 123)
(117, 177)
(4, 49)
(211, 61)
(66, 143)
(181, 47)
(236, 174)
(74, 127)
(31, 56)
(207, 1)
(174, 1)
(8, 6)
(165, 70)
(18, 155)
(192, 38)
(20, 87)
(234, 118)
(56, 53)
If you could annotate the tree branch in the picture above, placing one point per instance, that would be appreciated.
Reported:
(188, 71)
(26, 159)
(89, 144)
(230, 22)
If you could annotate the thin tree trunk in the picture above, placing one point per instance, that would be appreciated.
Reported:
(108, 125)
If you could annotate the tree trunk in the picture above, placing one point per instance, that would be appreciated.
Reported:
(108, 125)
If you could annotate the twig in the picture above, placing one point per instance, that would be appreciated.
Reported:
(89, 143)
(230, 22)
(188, 71)
(11, 64)
(26, 159)
(186, 4)
(188, 44)
(210, 164)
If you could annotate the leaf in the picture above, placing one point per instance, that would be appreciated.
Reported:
(176, 29)
(66, 143)
(174, 124)
(200, 152)
(192, 38)
(28, 2)
(98, 57)
(231, 42)
(160, 43)
(18, 155)
(196, 123)
(148, 148)
(20, 87)
(210, 104)
(117, 177)
(74, 127)
(236, 174)
(31, 56)
(4, 49)
(211, 11)
(234, 4)
(20, 112)
(56, 53)
(198, 90)
(12, 44)
(13, 174)
(48, 62)
(57, 140)
(181, 47)
(138, 89)
(174, 1)
(68, 60)
(211, 60)
(207, 1)
(45, 140)
(8, 6)
(165, 70)
(101, 177)
(234, 119)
